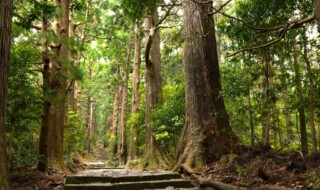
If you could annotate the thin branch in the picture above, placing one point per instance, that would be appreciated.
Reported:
(169, 5)
(256, 47)
(221, 7)
(282, 34)
(202, 2)
(235, 18)
(165, 16)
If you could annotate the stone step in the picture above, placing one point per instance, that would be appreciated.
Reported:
(96, 164)
(82, 179)
(159, 184)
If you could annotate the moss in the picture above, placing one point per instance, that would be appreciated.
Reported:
(59, 165)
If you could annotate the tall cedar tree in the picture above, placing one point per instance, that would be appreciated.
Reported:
(5, 42)
(207, 133)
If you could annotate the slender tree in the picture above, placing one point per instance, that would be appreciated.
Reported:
(43, 141)
(266, 110)
(152, 155)
(5, 44)
(301, 106)
(115, 116)
(311, 94)
(88, 123)
(251, 127)
(207, 133)
(123, 124)
(135, 92)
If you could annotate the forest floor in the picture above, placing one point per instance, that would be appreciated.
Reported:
(253, 168)
(258, 166)
(32, 179)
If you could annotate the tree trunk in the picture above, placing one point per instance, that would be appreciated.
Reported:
(5, 44)
(207, 133)
(249, 105)
(59, 62)
(135, 92)
(316, 10)
(43, 141)
(301, 108)
(152, 154)
(71, 85)
(123, 135)
(266, 111)
(115, 119)
(311, 97)
(286, 111)
(75, 90)
(89, 115)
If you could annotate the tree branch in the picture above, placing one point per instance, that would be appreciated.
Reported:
(25, 20)
(282, 32)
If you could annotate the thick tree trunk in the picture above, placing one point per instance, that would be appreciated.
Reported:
(301, 107)
(59, 62)
(123, 153)
(152, 154)
(311, 97)
(5, 44)
(135, 92)
(207, 133)
(43, 141)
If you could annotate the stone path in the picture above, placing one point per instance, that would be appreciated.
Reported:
(123, 179)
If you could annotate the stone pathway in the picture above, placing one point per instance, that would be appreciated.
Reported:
(123, 179)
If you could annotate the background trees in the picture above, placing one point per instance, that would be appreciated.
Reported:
(103, 81)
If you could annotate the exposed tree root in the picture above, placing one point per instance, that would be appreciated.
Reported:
(203, 182)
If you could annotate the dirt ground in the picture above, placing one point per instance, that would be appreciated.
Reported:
(253, 168)
(259, 166)
(32, 179)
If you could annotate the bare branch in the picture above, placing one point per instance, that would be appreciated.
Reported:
(282, 33)
(221, 7)
(165, 16)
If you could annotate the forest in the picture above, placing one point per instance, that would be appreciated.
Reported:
(219, 90)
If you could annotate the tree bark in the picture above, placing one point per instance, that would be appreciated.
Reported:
(43, 140)
(5, 44)
(316, 10)
(135, 92)
(59, 69)
(207, 133)
(123, 154)
(249, 105)
(115, 118)
(266, 111)
(301, 107)
(311, 96)
(89, 114)
(152, 154)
